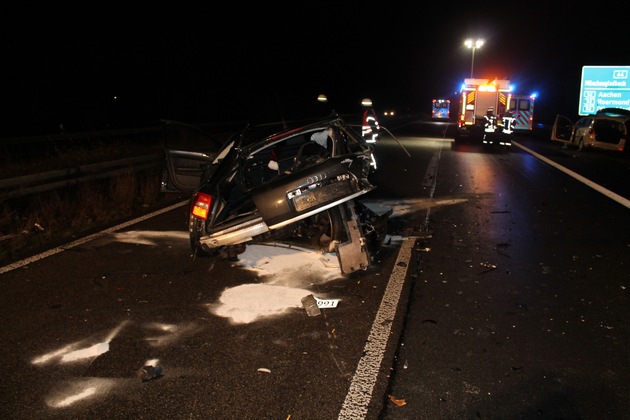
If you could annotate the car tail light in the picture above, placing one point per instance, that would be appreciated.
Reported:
(201, 205)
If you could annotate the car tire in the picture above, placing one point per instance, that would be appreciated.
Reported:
(320, 232)
(330, 225)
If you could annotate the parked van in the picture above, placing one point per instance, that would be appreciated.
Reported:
(608, 129)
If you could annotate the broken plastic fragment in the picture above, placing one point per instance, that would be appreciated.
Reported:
(488, 265)
(146, 373)
(399, 403)
(310, 304)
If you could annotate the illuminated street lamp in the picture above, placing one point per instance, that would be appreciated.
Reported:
(474, 44)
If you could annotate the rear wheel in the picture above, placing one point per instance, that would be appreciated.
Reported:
(331, 229)
(321, 231)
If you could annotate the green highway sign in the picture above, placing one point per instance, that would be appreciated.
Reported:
(604, 87)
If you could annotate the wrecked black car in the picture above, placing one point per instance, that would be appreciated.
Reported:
(294, 183)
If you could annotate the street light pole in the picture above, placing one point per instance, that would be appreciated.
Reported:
(473, 44)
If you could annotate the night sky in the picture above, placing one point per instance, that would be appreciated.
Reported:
(108, 67)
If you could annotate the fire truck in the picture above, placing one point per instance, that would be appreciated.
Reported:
(484, 112)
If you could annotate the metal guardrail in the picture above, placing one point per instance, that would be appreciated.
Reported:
(46, 181)
(40, 146)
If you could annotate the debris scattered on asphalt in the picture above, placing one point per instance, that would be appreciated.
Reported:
(488, 265)
(263, 370)
(310, 304)
(399, 403)
(146, 373)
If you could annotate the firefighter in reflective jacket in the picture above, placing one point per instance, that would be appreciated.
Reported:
(508, 123)
(491, 121)
(370, 127)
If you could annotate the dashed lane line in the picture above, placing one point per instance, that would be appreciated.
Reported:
(81, 241)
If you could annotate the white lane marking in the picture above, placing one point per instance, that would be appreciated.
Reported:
(81, 241)
(359, 395)
(430, 180)
(358, 398)
(619, 199)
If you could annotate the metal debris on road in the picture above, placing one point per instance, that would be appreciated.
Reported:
(310, 304)
(146, 373)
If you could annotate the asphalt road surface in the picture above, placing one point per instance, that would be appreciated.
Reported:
(520, 310)
(501, 292)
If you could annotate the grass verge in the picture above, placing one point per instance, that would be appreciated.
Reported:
(32, 224)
